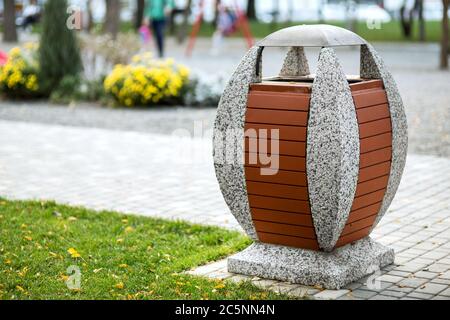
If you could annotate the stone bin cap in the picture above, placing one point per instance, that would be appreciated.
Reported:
(320, 35)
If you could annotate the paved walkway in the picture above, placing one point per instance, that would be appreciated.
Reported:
(172, 177)
(132, 172)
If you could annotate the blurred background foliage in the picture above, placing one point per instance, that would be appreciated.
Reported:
(73, 63)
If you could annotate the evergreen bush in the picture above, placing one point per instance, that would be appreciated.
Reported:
(59, 53)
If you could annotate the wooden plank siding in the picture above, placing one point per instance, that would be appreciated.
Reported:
(279, 202)
(375, 131)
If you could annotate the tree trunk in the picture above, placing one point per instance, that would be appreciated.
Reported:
(445, 36)
(139, 15)
(112, 19)
(251, 10)
(422, 34)
(9, 21)
(90, 17)
(183, 29)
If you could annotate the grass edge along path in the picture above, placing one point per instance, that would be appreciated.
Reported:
(43, 245)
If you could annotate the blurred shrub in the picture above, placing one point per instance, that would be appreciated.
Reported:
(147, 81)
(59, 54)
(74, 88)
(19, 77)
(204, 90)
(101, 52)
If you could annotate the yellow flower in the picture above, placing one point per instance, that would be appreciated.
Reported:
(19, 288)
(183, 71)
(145, 80)
(31, 82)
(73, 253)
(170, 62)
(15, 52)
(119, 285)
(220, 285)
(31, 46)
(128, 102)
(19, 73)
(136, 59)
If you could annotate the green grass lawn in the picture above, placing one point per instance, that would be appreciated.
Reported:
(120, 257)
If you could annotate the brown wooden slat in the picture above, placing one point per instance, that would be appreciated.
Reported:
(288, 241)
(369, 98)
(282, 87)
(375, 157)
(375, 128)
(277, 190)
(368, 199)
(377, 142)
(287, 148)
(375, 171)
(285, 132)
(294, 118)
(364, 212)
(282, 217)
(366, 84)
(284, 196)
(371, 186)
(295, 102)
(289, 205)
(284, 163)
(282, 177)
(285, 229)
(358, 225)
(353, 237)
(373, 113)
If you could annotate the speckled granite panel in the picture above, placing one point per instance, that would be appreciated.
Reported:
(332, 160)
(372, 66)
(295, 63)
(228, 140)
(329, 270)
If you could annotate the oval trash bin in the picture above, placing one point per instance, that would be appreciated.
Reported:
(309, 164)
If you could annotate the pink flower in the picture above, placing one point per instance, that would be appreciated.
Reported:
(3, 58)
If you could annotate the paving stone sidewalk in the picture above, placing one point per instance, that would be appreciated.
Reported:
(173, 177)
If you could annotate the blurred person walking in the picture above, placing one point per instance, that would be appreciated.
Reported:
(156, 13)
(31, 15)
(226, 25)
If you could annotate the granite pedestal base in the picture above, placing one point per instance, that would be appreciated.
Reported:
(332, 270)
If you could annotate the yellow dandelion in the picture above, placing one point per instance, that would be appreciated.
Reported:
(119, 285)
(73, 253)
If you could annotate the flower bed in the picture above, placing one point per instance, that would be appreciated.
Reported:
(143, 82)
(147, 81)
(19, 75)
